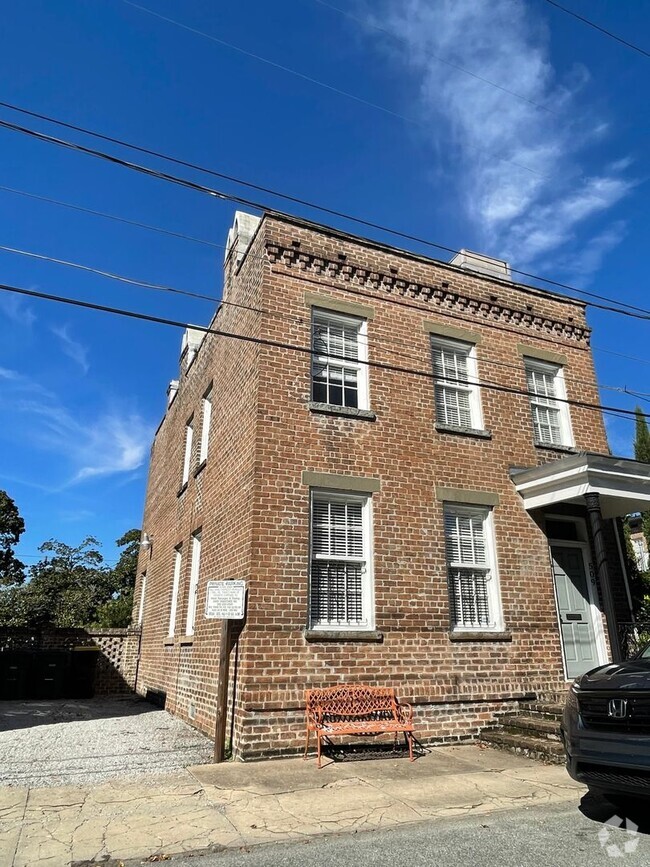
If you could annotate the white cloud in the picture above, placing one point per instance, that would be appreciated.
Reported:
(516, 164)
(72, 348)
(113, 442)
(17, 310)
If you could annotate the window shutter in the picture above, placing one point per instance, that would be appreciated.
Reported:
(467, 567)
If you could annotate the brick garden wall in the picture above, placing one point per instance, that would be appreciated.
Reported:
(254, 507)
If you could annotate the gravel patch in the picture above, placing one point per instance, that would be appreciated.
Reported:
(57, 743)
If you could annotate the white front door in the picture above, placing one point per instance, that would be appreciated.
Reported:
(577, 628)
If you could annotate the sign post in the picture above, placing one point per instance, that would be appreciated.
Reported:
(225, 600)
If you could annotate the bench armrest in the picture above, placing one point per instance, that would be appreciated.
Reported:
(405, 712)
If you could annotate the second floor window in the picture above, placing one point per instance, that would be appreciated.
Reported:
(456, 383)
(339, 376)
(545, 383)
(205, 425)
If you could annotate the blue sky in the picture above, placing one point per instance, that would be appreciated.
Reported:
(551, 175)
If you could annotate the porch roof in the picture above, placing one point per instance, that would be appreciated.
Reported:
(623, 484)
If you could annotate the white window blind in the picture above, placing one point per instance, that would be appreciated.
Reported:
(205, 426)
(178, 560)
(550, 416)
(339, 590)
(187, 458)
(456, 391)
(472, 589)
(340, 381)
(194, 584)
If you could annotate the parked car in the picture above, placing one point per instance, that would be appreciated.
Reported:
(606, 729)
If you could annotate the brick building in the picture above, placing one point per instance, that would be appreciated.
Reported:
(389, 460)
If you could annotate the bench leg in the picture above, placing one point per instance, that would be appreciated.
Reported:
(409, 739)
(318, 749)
(304, 757)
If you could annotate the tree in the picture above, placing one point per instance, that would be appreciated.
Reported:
(117, 611)
(12, 526)
(642, 453)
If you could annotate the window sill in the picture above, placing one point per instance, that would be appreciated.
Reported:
(315, 635)
(200, 468)
(565, 450)
(168, 642)
(186, 641)
(182, 489)
(347, 411)
(464, 431)
(487, 635)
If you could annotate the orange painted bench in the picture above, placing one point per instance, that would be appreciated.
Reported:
(355, 709)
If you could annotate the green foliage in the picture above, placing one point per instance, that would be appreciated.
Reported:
(12, 526)
(73, 587)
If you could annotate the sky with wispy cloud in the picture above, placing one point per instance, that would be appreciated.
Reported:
(498, 125)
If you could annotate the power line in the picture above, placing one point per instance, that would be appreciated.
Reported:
(316, 81)
(117, 219)
(596, 27)
(278, 344)
(219, 194)
(456, 66)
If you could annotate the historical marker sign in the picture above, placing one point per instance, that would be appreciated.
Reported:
(225, 600)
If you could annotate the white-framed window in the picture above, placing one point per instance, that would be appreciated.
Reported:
(194, 583)
(343, 380)
(143, 593)
(189, 442)
(341, 585)
(206, 416)
(474, 598)
(551, 421)
(176, 582)
(457, 398)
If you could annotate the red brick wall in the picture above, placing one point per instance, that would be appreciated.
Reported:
(254, 508)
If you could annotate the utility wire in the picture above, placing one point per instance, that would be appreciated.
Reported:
(383, 344)
(305, 350)
(596, 27)
(219, 194)
(117, 219)
(316, 81)
(393, 35)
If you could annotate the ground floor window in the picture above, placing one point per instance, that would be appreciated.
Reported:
(471, 568)
(340, 592)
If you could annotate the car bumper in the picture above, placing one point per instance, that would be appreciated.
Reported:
(608, 762)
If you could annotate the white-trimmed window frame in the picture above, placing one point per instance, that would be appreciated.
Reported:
(143, 594)
(556, 404)
(470, 386)
(187, 455)
(176, 583)
(206, 418)
(193, 586)
(322, 316)
(367, 621)
(489, 566)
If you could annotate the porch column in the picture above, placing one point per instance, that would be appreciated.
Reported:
(592, 501)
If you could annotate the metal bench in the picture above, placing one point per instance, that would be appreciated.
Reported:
(356, 710)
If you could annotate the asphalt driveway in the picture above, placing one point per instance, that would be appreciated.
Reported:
(58, 743)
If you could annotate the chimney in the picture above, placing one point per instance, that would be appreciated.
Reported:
(481, 264)
(172, 388)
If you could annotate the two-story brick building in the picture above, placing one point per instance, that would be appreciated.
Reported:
(405, 461)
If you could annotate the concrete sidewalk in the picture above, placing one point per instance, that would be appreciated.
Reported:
(209, 807)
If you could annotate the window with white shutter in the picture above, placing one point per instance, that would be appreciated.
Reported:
(456, 383)
(194, 583)
(187, 457)
(339, 376)
(471, 571)
(340, 593)
(178, 560)
(551, 423)
(205, 425)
